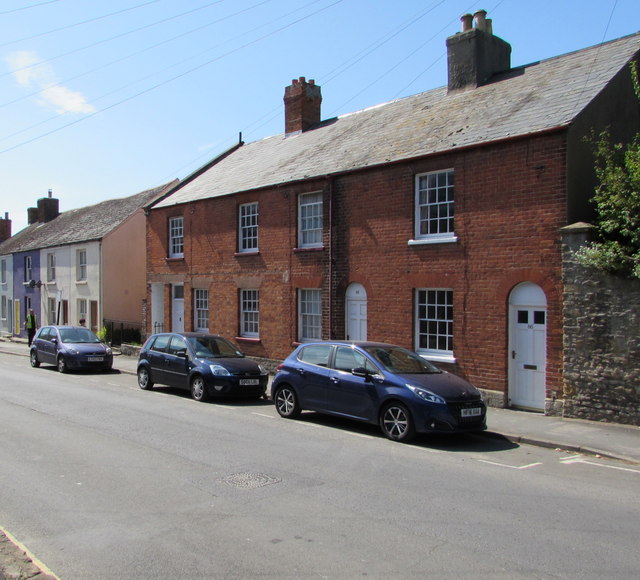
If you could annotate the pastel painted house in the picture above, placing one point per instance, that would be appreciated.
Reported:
(85, 265)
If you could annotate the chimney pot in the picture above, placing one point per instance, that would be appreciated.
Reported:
(467, 22)
(480, 20)
(50, 193)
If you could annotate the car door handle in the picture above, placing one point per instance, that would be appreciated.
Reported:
(301, 372)
(335, 380)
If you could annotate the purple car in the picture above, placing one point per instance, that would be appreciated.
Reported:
(70, 348)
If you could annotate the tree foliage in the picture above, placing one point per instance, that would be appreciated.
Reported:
(617, 203)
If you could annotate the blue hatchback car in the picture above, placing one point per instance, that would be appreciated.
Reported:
(205, 364)
(377, 383)
(70, 348)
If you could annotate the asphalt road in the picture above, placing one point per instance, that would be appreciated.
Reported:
(102, 480)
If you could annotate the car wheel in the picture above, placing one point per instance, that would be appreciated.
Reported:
(198, 388)
(33, 357)
(396, 422)
(144, 379)
(62, 364)
(287, 402)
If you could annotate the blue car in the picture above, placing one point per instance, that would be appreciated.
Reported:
(70, 348)
(205, 364)
(377, 383)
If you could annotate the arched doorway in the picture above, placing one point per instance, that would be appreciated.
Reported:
(527, 346)
(356, 312)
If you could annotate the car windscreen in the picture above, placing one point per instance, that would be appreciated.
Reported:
(401, 361)
(213, 347)
(76, 335)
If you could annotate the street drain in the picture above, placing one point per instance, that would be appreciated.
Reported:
(250, 480)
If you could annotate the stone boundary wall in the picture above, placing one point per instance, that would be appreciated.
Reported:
(601, 340)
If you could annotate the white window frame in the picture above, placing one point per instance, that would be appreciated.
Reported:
(250, 313)
(201, 309)
(81, 265)
(309, 314)
(51, 310)
(310, 220)
(248, 214)
(3, 307)
(51, 267)
(82, 309)
(28, 268)
(3, 271)
(176, 237)
(434, 323)
(434, 208)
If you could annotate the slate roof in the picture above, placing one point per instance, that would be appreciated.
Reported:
(84, 224)
(537, 97)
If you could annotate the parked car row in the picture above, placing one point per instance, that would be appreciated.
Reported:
(370, 382)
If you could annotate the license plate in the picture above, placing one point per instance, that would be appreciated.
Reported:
(95, 359)
(249, 382)
(474, 412)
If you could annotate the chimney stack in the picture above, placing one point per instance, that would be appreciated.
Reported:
(475, 54)
(47, 210)
(5, 228)
(302, 101)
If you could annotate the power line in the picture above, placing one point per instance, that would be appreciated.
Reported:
(104, 40)
(71, 25)
(27, 8)
(130, 55)
(174, 78)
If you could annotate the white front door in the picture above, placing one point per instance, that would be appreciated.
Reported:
(356, 312)
(527, 347)
(157, 308)
(177, 308)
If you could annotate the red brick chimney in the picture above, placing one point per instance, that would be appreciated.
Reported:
(48, 208)
(301, 106)
(475, 54)
(5, 228)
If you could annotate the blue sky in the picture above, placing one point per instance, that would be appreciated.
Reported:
(100, 100)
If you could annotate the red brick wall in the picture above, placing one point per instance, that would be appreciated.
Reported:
(509, 206)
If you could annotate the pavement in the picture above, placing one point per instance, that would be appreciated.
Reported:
(611, 440)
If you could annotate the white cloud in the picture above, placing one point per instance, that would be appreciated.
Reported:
(29, 74)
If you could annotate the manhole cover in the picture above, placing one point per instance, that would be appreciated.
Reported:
(250, 480)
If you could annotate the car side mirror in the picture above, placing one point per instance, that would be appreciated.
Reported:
(361, 372)
(182, 354)
(54, 340)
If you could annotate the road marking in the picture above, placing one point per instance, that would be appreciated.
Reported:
(361, 435)
(263, 415)
(510, 466)
(580, 459)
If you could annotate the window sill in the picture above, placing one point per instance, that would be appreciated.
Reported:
(175, 259)
(248, 339)
(441, 357)
(81, 282)
(251, 253)
(307, 250)
(428, 241)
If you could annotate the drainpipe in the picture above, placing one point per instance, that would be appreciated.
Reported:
(331, 259)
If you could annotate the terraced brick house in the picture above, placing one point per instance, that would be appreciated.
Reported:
(431, 221)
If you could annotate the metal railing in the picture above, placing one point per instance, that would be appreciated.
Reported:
(119, 331)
